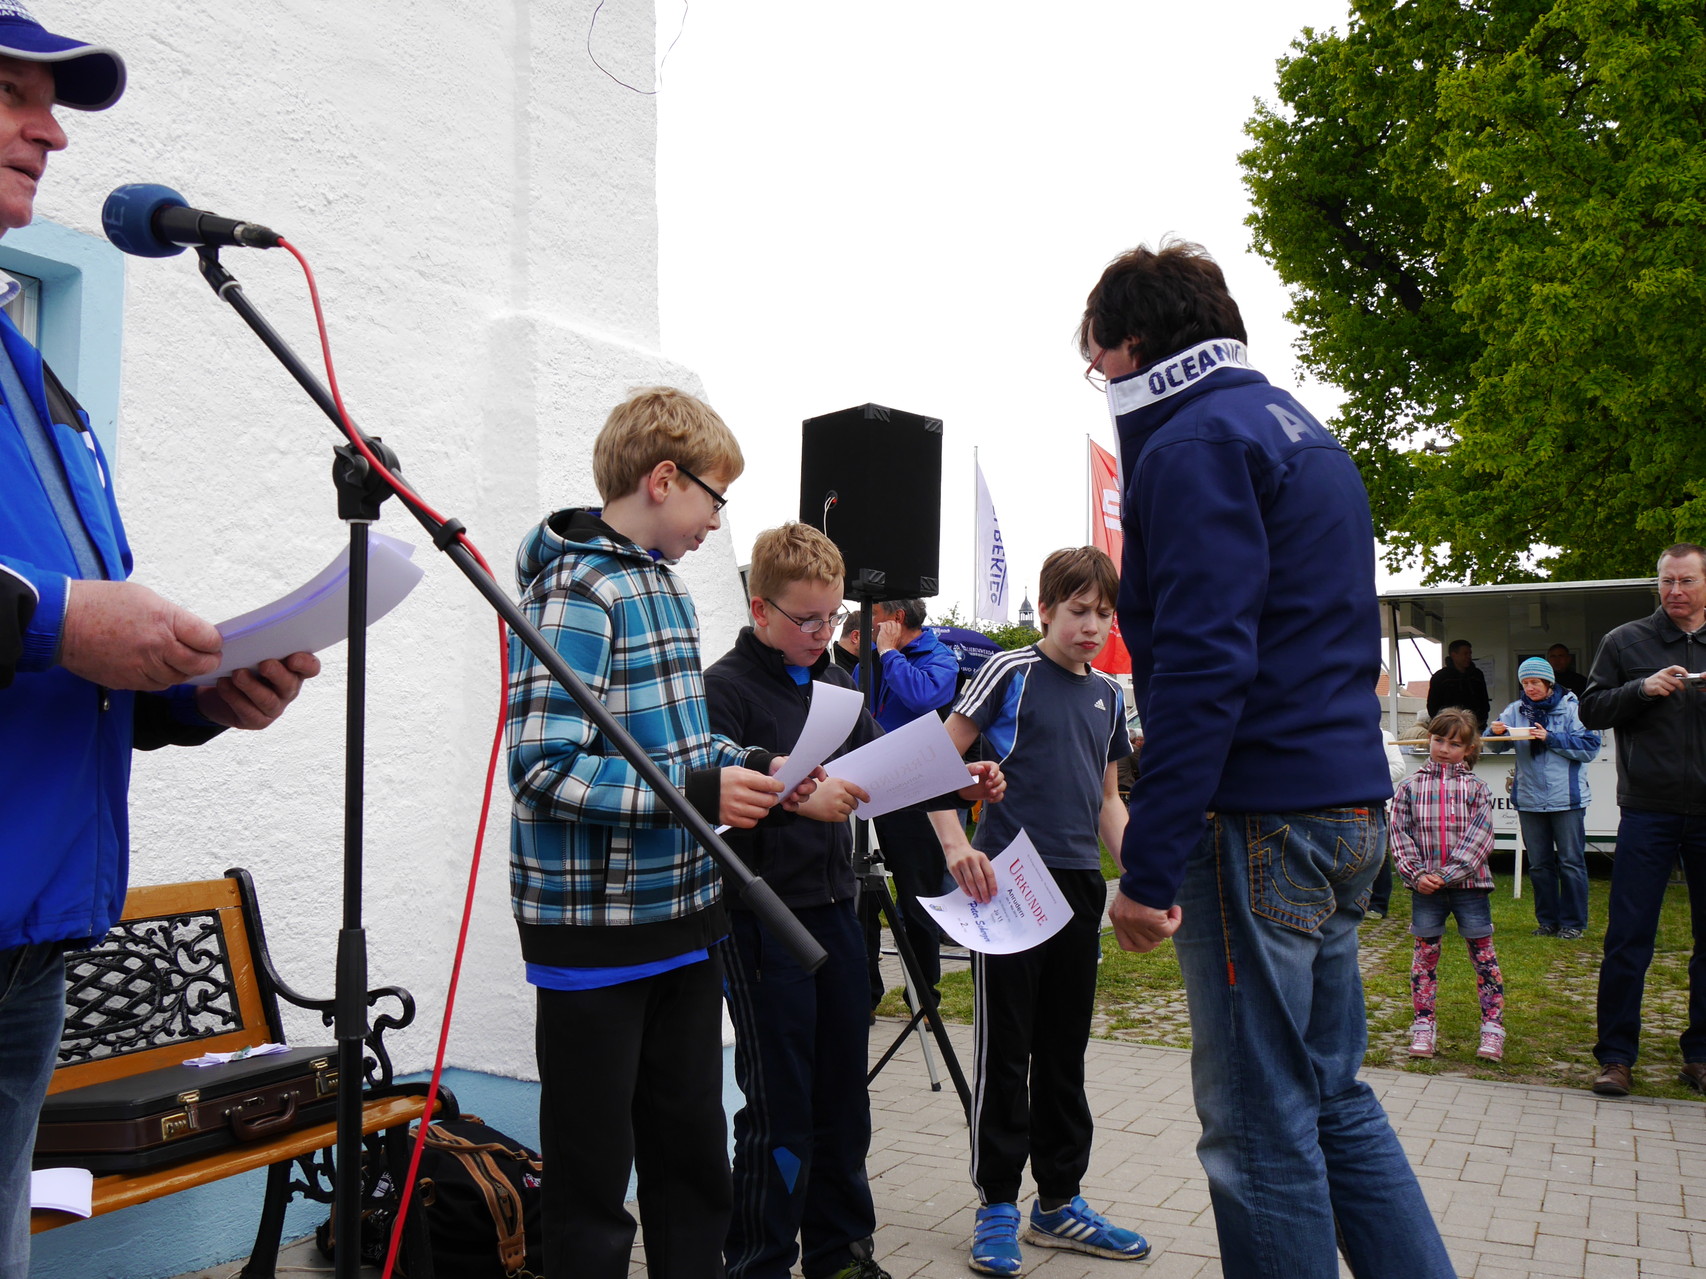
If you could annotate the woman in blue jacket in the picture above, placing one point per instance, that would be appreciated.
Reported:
(1551, 795)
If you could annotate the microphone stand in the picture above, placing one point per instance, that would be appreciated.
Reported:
(360, 492)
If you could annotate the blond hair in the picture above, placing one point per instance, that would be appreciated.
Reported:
(792, 553)
(661, 424)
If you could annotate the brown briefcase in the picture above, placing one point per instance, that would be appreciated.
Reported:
(142, 1121)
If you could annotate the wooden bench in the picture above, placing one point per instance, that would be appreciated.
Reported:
(186, 971)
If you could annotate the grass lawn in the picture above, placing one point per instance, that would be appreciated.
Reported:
(1549, 996)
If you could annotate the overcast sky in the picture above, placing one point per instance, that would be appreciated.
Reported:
(906, 201)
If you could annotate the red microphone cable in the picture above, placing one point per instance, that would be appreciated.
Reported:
(414, 501)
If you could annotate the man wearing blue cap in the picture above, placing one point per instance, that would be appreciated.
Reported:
(91, 665)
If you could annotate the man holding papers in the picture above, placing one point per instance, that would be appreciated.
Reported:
(801, 1046)
(91, 665)
(1058, 727)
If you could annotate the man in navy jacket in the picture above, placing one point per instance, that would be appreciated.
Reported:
(1258, 822)
(91, 665)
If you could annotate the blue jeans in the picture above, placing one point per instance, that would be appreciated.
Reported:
(32, 1015)
(1556, 847)
(1293, 1142)
(1648, 845)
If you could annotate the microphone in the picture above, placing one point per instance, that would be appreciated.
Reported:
(152, 221)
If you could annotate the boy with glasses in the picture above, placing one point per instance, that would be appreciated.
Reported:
(801, 1046)
(619, 910)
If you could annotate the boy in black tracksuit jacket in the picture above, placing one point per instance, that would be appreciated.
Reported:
(801, 1048)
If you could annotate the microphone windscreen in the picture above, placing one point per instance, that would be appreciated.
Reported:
(128, 218)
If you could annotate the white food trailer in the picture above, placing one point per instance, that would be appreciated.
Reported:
(1506, 625)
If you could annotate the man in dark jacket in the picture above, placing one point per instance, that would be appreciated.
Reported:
(1249, 555)
(1460, 683)
(1564, 668)
(1645, 684)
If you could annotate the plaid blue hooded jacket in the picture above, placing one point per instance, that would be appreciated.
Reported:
(591, 846)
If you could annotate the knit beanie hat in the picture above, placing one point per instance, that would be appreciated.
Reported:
(1536, 668)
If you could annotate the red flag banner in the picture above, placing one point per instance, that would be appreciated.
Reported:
(1107, 533)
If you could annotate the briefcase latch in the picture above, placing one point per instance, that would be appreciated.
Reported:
(325, 1077)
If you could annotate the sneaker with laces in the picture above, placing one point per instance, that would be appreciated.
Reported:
(1422, 1036)
(1492, 1043)
(1544, 930)
(1082, 1229)
(1569, 934)
(995, 1240)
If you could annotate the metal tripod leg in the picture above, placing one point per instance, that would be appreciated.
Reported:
(913, 986)
(924, 1002)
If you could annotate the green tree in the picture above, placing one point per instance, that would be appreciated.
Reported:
(1492, 215)
(1013, 634)
(1010, 635)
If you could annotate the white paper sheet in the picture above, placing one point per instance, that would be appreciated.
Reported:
(316, 614)
(219, 1059)
(916, 761)
(834, 712)
(69, 1190)
(1026, 911)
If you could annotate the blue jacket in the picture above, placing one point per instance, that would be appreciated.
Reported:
(1549, 775)
(601, 874)
(913, 680)
(64, 743)
(1247, 603)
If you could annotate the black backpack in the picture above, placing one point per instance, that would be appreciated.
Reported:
(478, 1193)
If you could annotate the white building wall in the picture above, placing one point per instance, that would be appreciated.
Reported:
(477, 199)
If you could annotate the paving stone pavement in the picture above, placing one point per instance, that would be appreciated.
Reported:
(1527, 1182)
(1524, 1180)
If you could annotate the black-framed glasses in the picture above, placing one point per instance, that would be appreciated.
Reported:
(718, 501)
(810, 625)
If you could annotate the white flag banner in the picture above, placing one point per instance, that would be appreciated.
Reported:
(991, 560)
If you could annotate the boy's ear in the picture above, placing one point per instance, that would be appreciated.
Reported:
(658, 480)
(758, 610)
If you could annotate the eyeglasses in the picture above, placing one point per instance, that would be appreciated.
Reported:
(1686, 583)
(718, 501)
(1094, 375)
(810, 625)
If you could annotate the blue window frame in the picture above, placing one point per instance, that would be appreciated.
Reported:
(79, 313)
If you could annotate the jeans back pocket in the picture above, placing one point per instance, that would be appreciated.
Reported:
(1299, 861)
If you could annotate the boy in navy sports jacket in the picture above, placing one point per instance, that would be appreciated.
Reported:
(1058, 727)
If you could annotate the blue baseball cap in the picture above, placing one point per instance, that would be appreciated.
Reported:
(85, 76)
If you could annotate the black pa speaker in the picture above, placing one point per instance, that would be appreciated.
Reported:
(871, 478)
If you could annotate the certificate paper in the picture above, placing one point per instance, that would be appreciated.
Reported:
(1026, 911)
(916, 761)
(833, 713)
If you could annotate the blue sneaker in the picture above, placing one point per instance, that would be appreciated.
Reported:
(1082, 1229)
(995, 1240)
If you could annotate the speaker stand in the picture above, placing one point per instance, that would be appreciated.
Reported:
(872, 880)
